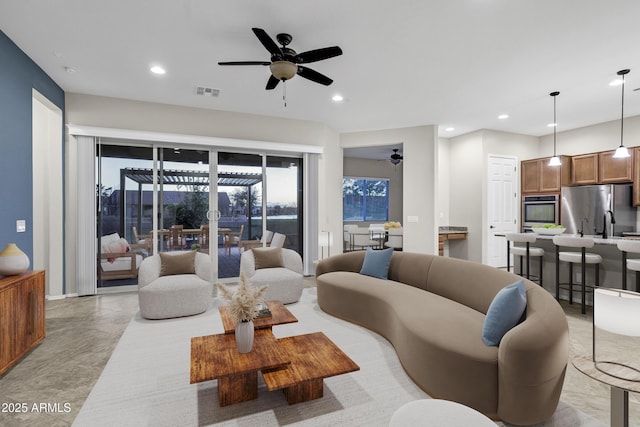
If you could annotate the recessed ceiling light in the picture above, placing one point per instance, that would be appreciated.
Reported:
(551, 125)
(503, 116)
(616, 82)
(156, 69)
(337, 98)
(449, 129)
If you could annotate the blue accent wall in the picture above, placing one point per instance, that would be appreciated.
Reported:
(18, 76)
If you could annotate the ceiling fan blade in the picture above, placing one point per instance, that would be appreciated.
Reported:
(318, 54)
(314, 76)
(244, 63)
(267, 42)
(272, 83)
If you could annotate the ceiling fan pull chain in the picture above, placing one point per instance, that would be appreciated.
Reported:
(284, 92)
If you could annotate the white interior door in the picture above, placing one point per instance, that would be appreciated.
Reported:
(502, 207)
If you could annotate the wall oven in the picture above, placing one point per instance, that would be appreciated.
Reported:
(540, 210)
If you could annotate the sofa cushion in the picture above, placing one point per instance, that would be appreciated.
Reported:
(180, 263)
(267, 258)
(376, 263)
(505, 311)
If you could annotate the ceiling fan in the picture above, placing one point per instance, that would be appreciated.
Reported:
(395, 158)
(286, 63)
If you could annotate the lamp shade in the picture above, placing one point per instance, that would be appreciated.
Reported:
(621, 152)
(617, 311)
(283, 70)
(325, 239)
(555, 161)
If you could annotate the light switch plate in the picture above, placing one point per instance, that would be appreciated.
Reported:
(412, 218)
(21, 226)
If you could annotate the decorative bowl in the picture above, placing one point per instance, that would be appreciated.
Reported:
(548, 231)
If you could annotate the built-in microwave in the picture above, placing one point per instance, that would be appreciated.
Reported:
(540, 210)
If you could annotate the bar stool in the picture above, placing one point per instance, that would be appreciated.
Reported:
(626, 246)
(524, 252)
(583, 258)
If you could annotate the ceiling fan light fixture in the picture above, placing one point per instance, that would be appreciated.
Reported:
(395, 161)
(283, 70)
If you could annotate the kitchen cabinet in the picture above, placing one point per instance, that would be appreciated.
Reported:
(584, 169)
(538, 177)
(635, 153)
(613, 170)
(22, 315)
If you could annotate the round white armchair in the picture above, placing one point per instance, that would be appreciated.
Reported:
(285, 281)
(175, 294)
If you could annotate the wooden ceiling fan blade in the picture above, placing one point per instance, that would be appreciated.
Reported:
(267, 42)
(314, 76)
(272, 83)
(318, 54)
(244, 63)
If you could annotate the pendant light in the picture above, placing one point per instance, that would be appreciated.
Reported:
(622, 150)
(555, 160)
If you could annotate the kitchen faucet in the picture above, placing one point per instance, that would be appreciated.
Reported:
(604, 225)
(582, 221)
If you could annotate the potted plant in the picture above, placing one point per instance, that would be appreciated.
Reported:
(243, 307)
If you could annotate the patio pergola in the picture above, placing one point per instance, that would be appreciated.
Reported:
(182, 177)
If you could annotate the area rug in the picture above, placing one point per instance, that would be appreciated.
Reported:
(146, 381)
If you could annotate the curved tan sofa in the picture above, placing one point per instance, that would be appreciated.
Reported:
(432, 310)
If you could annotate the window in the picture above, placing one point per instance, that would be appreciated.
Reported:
(365, 199)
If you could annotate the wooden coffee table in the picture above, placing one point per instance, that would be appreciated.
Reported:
(313, 358)
(217, 357)
(297, 365)
(280, 315)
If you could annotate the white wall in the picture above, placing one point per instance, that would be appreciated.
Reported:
(420, 168)
(89, 110)
(591, 139)
(468, 183)
(367, 168)
(443, 182)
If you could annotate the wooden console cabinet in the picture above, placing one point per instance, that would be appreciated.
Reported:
(22, 316)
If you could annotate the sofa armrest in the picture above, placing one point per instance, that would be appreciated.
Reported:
(532, 359)
(113, 255)
(350, 261)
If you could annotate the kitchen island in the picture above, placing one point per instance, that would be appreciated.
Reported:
(610, 268)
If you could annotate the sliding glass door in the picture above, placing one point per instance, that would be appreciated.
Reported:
(240, 189)
(143, 209)
(124, 212)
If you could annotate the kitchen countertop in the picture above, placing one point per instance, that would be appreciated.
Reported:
(448, 229)
(596, 239)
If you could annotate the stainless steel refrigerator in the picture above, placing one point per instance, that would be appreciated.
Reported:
(591, 208)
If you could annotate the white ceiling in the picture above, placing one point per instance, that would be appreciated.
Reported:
(455, 63)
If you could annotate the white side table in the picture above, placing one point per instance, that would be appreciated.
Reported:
(438, 413)
(619, 389)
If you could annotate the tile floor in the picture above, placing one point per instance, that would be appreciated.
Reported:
(82, 333)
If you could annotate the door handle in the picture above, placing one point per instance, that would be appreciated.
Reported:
(217, 215)
(492, 227)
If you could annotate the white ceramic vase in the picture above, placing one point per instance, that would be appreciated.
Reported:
(244, 336)
(13, 260)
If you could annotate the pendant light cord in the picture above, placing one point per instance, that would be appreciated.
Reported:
(622, 115)
(555, 123)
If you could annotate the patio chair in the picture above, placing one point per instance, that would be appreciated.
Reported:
(116, 261)
(278, 240)
(176, 240)
(143, 241)
(232, 238)
(203, 238)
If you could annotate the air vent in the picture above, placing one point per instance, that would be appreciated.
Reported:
(207, 91)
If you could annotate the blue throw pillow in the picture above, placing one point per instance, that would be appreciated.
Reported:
(376, 263)
(504, 312)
